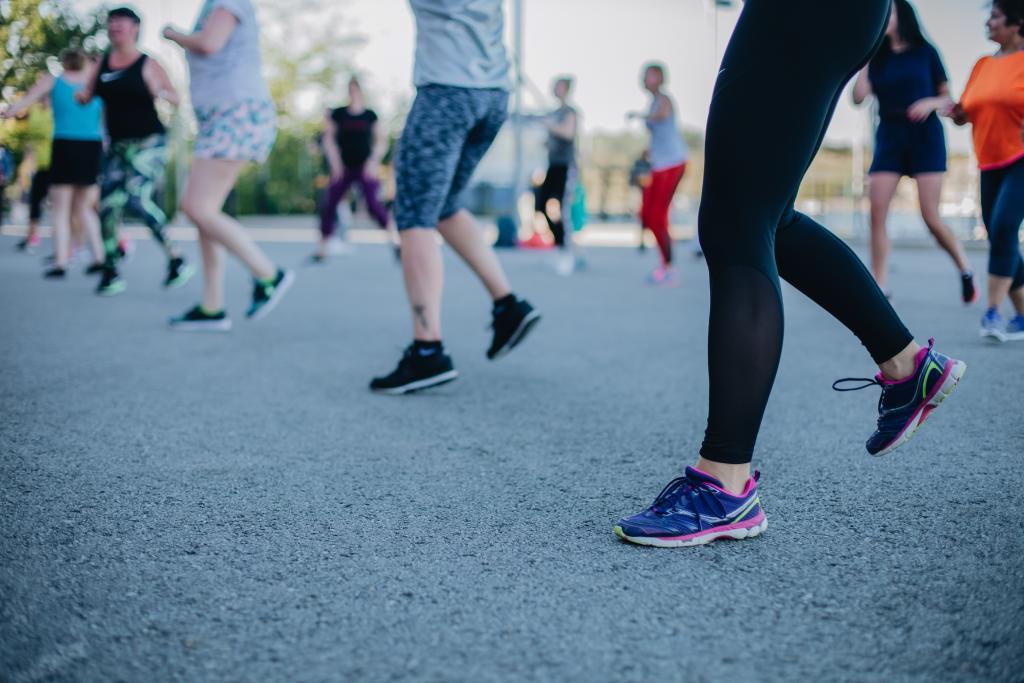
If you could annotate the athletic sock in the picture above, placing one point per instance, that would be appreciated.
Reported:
(425, 349)
(502, 304)
(268, 281)
(209, 312)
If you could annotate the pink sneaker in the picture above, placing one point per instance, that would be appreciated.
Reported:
(664, 276)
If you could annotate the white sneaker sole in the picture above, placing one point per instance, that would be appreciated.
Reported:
(994, 335)
(947, 387)
(735, 534)
(419, 385)
(218, 326)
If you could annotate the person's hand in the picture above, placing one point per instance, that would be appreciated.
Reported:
(170, 33)
(957, 113)
(6, 114)
(82, 97)
(922, 109)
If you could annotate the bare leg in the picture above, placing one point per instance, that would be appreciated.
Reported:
(1017, 297)
(424, 281)
(84, 209)
(209, 182)
(929, 190)
(462, 233)
(998, 290)
(60, 207)
(213, 273)
(881, 188)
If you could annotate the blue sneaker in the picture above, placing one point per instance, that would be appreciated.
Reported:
(993, 326)
(906, 404)
(1015, 328)
(693, 510)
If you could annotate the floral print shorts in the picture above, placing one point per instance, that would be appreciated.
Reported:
(241, 131)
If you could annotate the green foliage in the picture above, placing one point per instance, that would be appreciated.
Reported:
(32, 34)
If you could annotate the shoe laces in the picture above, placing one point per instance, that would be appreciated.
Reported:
(675, 489)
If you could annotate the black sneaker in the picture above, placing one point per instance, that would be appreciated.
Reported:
(94, 269)
(968, 290)
(55, 273)
(416, 372)
(198, 320)
(511, 324)
(111, 284)
(265, 297)
(178, 272)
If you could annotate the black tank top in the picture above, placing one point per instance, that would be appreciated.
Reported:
(129, 109)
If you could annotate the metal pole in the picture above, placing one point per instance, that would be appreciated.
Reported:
(518, 184)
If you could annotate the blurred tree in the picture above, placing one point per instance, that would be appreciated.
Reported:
(32, 34)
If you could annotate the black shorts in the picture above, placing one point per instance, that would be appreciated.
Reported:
(37, 194)
(75, 162)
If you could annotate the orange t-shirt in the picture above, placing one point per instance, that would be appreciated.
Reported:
(994, 103)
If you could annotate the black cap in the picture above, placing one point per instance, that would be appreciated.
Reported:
(126, 12)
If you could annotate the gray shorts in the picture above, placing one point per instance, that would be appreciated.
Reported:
(446, 134)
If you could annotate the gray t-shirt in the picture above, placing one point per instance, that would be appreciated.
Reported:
(233, 73)
(561, 150)
(460, 43)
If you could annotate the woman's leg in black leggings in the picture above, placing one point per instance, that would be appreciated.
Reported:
(775, 95)
(1002, 210)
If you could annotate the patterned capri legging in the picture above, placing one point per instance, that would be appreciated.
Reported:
(130, 172)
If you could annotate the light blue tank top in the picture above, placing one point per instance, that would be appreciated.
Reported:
(71, 120)
(667, 146)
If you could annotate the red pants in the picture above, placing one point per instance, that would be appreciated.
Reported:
(657, 197)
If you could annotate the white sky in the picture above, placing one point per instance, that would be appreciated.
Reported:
(603, 43)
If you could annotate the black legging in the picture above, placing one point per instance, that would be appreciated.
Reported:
(781, 77)
(1002, 210)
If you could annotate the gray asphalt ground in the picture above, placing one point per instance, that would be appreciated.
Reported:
(239, 507)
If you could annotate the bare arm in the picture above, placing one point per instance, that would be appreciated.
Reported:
(566, 129)
(36, 93)
(88, 91)
(662, 111)
(159, 83)
(923, 108)
(862, 87)
(380, 144)
(211, 39)
(330, 145)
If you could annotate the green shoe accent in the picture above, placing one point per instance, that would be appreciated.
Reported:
(184, 275)
(115, 288)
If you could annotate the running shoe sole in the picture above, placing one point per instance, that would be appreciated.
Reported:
(527, 324)
(113, 290)
(742, 530)
(994, 335)
(195, 326)
(184, 275)
(950, 378)
(1013, 336)
(420, 384)
(275, 298)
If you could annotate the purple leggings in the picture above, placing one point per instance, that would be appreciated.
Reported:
(370, 187)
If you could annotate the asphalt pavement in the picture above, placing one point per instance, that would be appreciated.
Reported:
(238, 507)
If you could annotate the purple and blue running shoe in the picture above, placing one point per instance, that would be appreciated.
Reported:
(905, 404)
(693, 510)
(1015, 328)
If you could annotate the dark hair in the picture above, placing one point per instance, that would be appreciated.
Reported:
(124, 12)
(568, 80)
(656, 66)
(1014, 11)
(72, 59)
(909, 29)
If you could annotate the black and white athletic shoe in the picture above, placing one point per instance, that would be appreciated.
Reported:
(512, 321)
(111, 284)
(416, 372)
(55, 273)
(266, 296)
(198, 320)
(178, 272)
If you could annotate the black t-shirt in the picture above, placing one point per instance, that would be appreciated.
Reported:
(354, 135)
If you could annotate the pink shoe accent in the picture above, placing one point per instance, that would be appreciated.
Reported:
(745, 524)
(918, 359)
